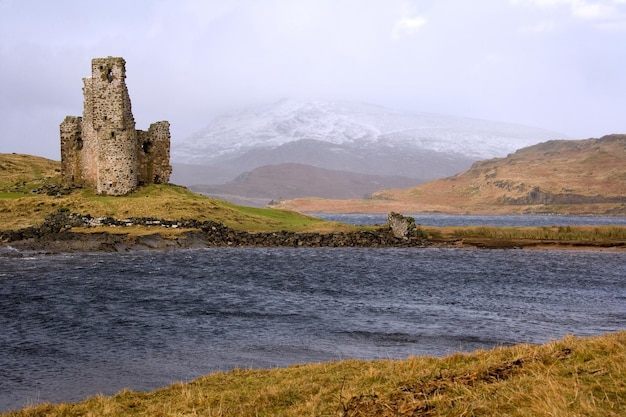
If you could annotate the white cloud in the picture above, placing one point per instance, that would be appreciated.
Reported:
(407, 26)
(587, 10)
(583, 9)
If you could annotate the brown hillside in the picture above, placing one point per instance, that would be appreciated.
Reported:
(287, 181)
(562, 176)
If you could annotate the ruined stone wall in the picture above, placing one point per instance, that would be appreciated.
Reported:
(112, 156)
(71, 147)
(89, 153)
(401, 226)
(153, 154)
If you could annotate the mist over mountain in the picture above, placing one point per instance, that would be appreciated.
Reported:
(350, 124)
(343, 136)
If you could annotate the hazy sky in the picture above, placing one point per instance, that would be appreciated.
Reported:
(556, 64)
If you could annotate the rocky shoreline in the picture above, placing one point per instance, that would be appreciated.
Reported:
(55, 235)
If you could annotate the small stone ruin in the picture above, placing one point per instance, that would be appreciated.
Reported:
(401, 226)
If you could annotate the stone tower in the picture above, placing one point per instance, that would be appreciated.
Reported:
(102, 149)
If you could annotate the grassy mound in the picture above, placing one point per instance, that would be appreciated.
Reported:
(30, 189)
(571, 377)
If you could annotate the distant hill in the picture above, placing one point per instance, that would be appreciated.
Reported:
(347, 136)
(559, 176)
(188, 174)
(286, 181)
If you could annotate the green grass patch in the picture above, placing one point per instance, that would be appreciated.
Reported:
(257, 217)
(11, 195)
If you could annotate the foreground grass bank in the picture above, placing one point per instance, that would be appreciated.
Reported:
(570, 377)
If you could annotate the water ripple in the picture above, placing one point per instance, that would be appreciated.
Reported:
(79, 324)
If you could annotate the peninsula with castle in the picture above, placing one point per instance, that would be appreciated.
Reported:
(102, 149)
(112, 191)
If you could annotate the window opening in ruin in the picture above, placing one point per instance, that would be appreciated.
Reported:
(110, 75)
(112, 134)
(157, 180)
(105, 118)
(79, 144)
(146, 147)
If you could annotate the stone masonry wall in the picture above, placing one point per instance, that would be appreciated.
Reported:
(103, 149)
(71, 145)
(115, 127)
(89, 153)
(153, 154)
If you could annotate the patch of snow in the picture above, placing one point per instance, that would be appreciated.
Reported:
(356, 124)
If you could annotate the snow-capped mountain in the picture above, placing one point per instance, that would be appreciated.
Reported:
(352, 125)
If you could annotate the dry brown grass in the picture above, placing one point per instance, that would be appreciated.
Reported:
(571, 377)
(587, 168)
(559, 233)
(555, 237)
(20, 168)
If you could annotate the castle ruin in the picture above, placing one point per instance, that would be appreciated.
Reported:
(102, 149)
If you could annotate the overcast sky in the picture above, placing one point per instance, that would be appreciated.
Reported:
(555, 64)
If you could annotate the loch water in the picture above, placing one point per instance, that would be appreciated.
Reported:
(75, 325)
(441, 220)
